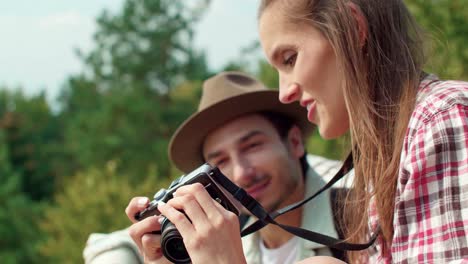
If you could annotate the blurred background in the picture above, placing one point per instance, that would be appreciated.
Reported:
(91, 92)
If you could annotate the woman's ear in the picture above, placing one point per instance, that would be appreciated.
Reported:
(295, 142)
(361, 22)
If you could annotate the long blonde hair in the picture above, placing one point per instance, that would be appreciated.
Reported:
(381, 81)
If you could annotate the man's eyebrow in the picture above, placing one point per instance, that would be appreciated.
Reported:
(250, 135)
(213, 155)
(242, 139)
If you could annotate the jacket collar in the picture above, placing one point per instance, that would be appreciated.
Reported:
(317, 216)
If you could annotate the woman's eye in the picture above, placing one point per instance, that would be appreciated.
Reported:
(290, 59)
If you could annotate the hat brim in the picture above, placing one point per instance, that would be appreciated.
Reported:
(185, 148)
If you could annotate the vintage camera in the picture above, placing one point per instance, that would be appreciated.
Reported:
(171, 241)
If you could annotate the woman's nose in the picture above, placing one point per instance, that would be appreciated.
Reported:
(289, 93)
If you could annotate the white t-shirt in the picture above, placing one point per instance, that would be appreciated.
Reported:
(285, 254)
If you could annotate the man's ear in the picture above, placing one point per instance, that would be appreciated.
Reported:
(295, 142)
(361, 22)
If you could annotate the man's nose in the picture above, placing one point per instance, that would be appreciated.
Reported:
(243, 172)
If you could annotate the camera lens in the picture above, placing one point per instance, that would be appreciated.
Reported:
(172, 243)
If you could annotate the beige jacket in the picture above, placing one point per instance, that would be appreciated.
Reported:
(113, 248)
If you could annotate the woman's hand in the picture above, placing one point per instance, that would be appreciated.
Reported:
(211, 233)
(148, 243)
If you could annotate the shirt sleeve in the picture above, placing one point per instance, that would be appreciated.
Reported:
(116, 247)
(116, 255)
(431, 210)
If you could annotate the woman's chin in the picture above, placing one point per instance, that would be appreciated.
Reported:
(328, 133)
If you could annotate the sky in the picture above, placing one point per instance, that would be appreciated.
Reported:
(39, 38)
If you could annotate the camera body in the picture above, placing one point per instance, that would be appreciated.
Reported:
(171, 240)
(203, 175)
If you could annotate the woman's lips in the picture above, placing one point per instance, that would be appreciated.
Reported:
(256, 190)
(311, 110)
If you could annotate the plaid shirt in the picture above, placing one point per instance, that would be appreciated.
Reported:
(431, 204)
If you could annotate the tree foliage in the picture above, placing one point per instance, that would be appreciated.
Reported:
(446, 26)
(32, 137)
(91, 201)
(17, 215)
(140, 82)
(121, 106)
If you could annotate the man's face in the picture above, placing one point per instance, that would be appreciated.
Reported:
(250, 152)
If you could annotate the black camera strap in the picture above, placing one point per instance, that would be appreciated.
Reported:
(264, 218)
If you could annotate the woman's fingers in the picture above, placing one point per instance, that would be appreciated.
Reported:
(145, 232)
(206, 227)
(198, 192)
(191, 208)
(137, 204)
(200, 215)
(178, 218)
(202, 210)
(145, 226)
(151, 246)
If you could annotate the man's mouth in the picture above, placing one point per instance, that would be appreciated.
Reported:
(257, 189)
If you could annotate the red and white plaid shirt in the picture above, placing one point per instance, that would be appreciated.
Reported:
(431, 204)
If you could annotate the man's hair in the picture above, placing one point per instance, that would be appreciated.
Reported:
(283, 125)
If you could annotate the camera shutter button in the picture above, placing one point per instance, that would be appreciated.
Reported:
(160, 194)
(175, 182)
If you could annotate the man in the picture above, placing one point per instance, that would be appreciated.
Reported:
(257, 142)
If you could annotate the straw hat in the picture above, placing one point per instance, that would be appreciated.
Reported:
(226, 96)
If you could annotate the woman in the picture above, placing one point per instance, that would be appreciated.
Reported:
(357, 66)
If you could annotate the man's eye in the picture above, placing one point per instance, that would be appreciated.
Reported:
(220, 163)
(252, 145)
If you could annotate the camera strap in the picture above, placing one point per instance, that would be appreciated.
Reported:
(264, 218)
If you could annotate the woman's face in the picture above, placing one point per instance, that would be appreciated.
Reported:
(308, 70)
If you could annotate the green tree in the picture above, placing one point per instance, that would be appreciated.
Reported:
(33, 139)
(446, 26)
(91, 201)
(121, 106)
(17, 215)
(139, 83)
